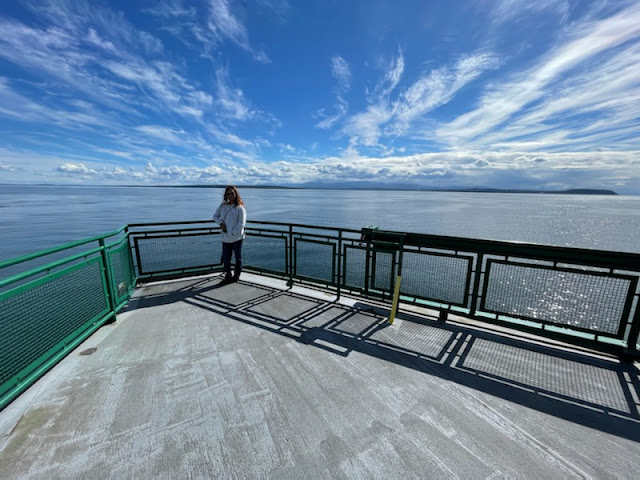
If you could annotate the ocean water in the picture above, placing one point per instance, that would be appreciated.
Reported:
(38, 217)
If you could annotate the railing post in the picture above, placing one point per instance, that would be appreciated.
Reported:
(339, 260)
(130, 255)
(290, 255)
(634, 334)
(476, 285)
(108, 276)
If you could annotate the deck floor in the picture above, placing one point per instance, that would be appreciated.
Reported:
(256, 380)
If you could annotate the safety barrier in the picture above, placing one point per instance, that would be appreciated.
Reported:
(583, 297)
(52, 300)
(58, 298)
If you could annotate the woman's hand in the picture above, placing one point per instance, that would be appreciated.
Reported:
(223, 227)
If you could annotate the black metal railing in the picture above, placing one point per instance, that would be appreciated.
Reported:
(583, 297)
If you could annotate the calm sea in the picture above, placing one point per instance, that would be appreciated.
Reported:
(37, 217)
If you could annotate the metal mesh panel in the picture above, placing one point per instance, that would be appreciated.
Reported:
(315, 260)
(122, 271)
(163, 254)
(383, 273)
(579, 300)
(355, 266)
(435, 277)
(268, 253)
(34, 321)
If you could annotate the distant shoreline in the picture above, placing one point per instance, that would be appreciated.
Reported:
(571, 191)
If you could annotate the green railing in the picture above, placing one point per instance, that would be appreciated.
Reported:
(55, 300)
(52, 300)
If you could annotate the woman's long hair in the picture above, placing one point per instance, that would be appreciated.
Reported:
(238, 197)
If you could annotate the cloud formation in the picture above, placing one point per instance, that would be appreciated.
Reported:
(214, 90)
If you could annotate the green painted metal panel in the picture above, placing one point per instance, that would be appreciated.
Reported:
(43, 317)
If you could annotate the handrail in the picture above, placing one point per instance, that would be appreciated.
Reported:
(59, 248)
(43, 268)
(363, 262)
(261, 222)
(501, 247)
(476, 266)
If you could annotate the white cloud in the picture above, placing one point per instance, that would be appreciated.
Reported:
(387, 117)
(93, 38)
(231, 100)
(170, 9)
(226, 26)
(504, 11)
(391, 77)
(341, 72)
(598, 169)
(75, 168)
(594, 70)
(159, 132)
(328, 121)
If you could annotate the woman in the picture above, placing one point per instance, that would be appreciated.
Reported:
(232, 217)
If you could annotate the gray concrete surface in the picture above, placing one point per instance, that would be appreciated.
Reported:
(253, 380)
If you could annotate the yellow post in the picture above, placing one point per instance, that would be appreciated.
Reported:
(396, 296)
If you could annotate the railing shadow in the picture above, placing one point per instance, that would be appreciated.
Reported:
(593, 391)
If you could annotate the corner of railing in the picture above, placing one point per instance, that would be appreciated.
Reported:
(109, 279)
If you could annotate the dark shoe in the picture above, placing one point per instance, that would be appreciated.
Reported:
(227, 280)
(236, 275)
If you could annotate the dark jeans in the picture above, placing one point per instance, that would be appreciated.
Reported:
(235, 249)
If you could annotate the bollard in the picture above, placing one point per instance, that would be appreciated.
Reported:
(396, 297)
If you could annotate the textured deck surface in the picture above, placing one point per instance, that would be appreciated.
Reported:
(256, 380)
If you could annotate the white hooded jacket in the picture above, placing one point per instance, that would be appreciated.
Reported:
(235, 218)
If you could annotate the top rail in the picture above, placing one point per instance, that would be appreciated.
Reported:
(249, 222)
(603, 258)
(594, 257)
(59, 248)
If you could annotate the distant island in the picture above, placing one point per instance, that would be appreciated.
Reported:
(571, 191)
(353, 186)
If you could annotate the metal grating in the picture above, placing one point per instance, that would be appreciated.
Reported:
(264, 252)
(579, 300)
(122, 271)
(170, 253)
(34, 321)
(355, 259)
(435, 277)
(315, 260)
(383, 274)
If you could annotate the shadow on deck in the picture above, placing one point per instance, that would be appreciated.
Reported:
(417, 398)
(591, 390)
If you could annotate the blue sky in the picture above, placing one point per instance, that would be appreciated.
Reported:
(424, 94)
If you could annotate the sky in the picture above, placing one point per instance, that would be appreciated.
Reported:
(424, 94)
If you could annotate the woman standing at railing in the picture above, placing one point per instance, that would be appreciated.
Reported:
(232, 217)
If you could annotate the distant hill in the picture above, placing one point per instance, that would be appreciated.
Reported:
(374, 186)
(572, 191)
